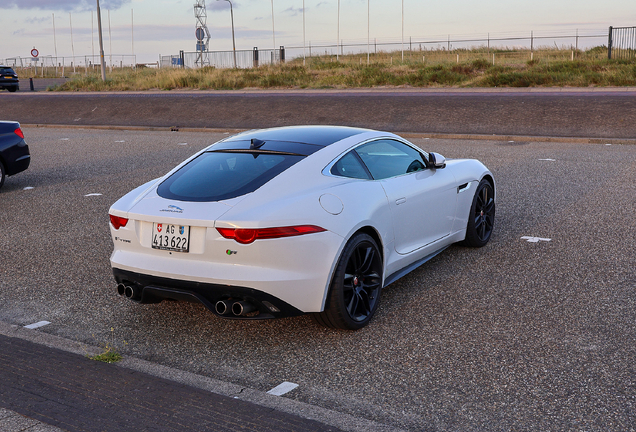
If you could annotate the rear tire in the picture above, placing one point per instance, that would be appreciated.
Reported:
(2, 174)
(481, 219)
(12, 89)
(355, 289)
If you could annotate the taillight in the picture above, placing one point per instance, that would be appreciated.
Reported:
(248, 235)
(117, 221)
(19, 133)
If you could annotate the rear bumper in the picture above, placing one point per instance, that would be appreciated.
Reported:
(154, 289)
(10, 84)
(16, 158)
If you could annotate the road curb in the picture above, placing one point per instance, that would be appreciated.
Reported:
(481, 137)
(332, 418)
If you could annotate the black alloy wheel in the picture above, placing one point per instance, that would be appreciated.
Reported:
(355, 289)
(481, 219)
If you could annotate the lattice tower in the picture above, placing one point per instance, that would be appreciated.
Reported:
(201, 16)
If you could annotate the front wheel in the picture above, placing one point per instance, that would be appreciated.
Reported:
(354, 293)
(481, 219)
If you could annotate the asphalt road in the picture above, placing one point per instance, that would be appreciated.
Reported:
(517, 335)
(599, 113)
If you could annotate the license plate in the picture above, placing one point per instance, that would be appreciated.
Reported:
(171, 237)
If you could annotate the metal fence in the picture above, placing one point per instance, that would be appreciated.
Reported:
(48, 66)
(245, 59)
(531, 40)
(621, 43)
(524, 46)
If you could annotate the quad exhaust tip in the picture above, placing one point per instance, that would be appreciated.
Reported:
(223, 307)
(126, 290)
(238, 308)
(241, 308)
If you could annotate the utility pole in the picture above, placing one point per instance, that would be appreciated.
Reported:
(273, 31)
(70, 20)
(101, 42)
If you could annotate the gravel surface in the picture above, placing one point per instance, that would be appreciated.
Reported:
(514, 336)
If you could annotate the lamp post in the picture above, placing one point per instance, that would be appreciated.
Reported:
(233, 41)
(368, 27)
(304, 55)
(402, 30)
(101, 42)
(338, 41)
(273, 31)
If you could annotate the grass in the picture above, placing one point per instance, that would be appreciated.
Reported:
(109, 352)
(108, 356)
(461, 68)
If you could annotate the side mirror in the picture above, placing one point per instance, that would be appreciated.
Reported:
(436, 160)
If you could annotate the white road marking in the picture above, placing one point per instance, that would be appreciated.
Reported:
(608, 144)
(64, 139)
(77, 119)
(37, 325)
(93, 194)
(182, 144)
(535, 239)
(551, 160)
(283, 388)
(93, 110)
(120, 141)
(510, 141)
(28, 188)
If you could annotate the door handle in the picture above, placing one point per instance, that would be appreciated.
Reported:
(400, 201)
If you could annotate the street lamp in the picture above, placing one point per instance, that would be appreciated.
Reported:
(368, 27)
(338, 41)
(101, 42)
(233, 41)
(273, 31)
(402, 30)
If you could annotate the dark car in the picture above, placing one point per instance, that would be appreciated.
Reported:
(9, 79)
(14, 152)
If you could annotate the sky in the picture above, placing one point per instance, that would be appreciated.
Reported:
(150, 28)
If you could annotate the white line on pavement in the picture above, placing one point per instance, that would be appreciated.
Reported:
(535, 239)
(37, 325)
(283, 388)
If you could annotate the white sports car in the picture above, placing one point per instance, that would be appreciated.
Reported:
(308, 219)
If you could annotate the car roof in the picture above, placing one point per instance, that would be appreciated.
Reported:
(303, 140)
(314, 135)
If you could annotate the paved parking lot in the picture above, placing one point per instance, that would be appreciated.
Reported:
(519, 335)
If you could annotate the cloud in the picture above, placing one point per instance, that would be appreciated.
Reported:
(220, 5)
(292, 11)
(69, 5)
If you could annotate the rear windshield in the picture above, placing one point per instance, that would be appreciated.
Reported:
(221, 175)
(6, 70)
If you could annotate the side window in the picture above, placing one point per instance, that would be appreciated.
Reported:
(350, 166)
(390, 158)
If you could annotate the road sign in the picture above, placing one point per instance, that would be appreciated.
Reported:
(200, 33)
(34, 52)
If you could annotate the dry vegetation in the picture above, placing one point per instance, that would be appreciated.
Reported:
(462, 68)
